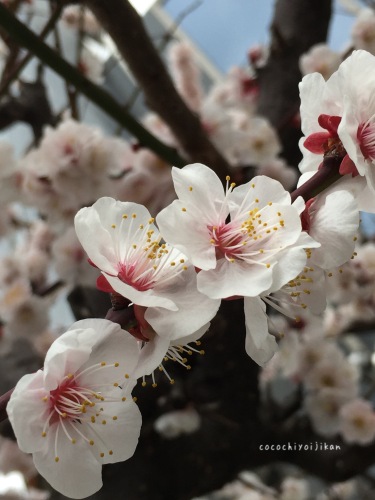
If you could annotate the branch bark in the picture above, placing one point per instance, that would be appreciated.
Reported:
(297, 25)
(148, 69)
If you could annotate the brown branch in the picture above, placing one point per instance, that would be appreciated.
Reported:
(297, 25)
(161, 96)
(4, 399)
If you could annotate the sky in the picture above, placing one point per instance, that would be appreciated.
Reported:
(225, 29)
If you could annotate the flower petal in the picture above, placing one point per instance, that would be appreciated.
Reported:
(146, 298)
(77, 474)
(234, 278)
(119, 435)
(194, 310)
(188, 230)
(259, 344)
(27, 412)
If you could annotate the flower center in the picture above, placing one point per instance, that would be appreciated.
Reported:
(69, 400)
(366, 139)
(78, 409)
(243, 237)
(228, 241)
(147, 262)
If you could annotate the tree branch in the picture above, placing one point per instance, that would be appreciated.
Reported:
(161, 96)
(297, 25)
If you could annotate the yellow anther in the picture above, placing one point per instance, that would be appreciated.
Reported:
(227, 178)
(44, 434)
(256, 200)
(269, 203)
(126, 375)
(124, 216)
(102, 455)
(134, 246)
(151, 221)
(135, 399)
(115, 384)
(268, 266)
(114, 418)
(91, 442)
(355, 238)
(183, 209)
(182, 261)
(123, 399)
(330, 275)
(134, 216)
(113, 226)
(154, 385)
(232, 184)
(173, 263)
(117, 364)
(144, 384)
(45, 399)
(57, 459)
(190, 188)
(171, 381)
(253, 185)
(103, 363)
(74, 441)
(93, 419)
(110, 452)
(104, 422)
(185, 268)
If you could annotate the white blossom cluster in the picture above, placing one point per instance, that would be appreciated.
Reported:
(175, 260)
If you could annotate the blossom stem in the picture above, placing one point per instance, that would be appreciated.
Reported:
(4, 399)
(26, 38)
(327, 175)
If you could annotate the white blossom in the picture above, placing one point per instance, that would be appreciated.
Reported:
(70, 414)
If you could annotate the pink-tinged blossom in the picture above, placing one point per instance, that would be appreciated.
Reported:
(332, 219)
(320, 59)
(363, 31)
(333, 373)
(120, 238)
(70, 260)
(186, 74)
(258, 251)
(339, 115)
(278, 169)
(176, 423)
(25, 314)
(77, 413)
(357, 127)
(295, 489)
(358, 422)
(74, 17)
(158, 351)
(324, 408)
